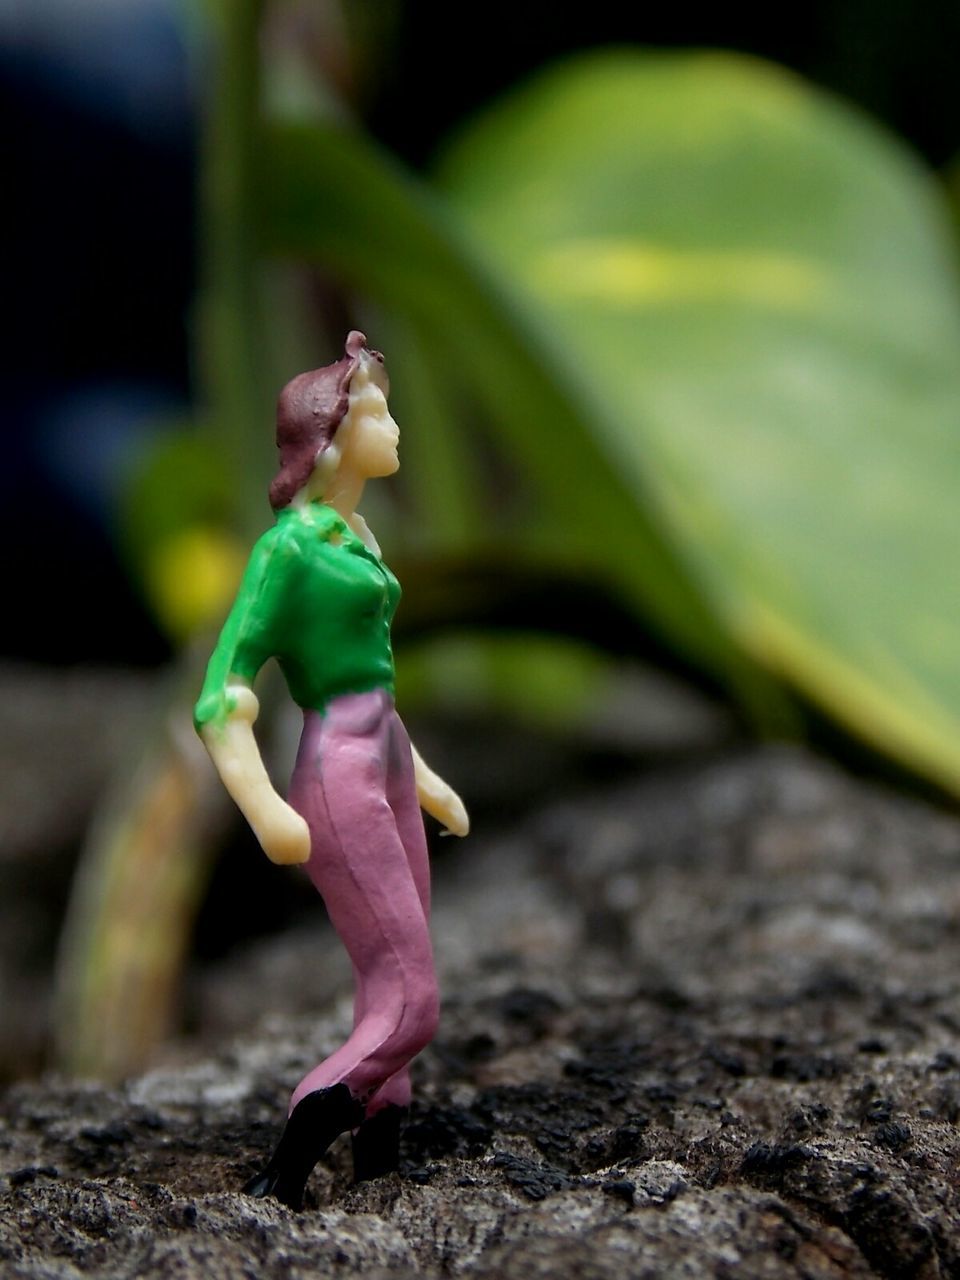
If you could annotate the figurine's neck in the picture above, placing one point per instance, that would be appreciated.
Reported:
(342, 491)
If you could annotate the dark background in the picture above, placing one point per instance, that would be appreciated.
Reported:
(101, 106)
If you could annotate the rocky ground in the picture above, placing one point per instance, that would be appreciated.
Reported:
(704, 1021)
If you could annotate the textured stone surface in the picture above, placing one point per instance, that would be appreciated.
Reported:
(704, 1023)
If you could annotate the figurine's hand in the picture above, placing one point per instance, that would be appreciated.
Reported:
(442, 802)
(283, 834)
(451, 811)
(439, 799)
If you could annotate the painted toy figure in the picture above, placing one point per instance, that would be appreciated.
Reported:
(317, 597)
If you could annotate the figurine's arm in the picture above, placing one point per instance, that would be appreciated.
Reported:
(439, 799)
(228, 707)
(282, 832)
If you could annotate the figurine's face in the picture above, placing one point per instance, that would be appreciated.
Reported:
(368, 436)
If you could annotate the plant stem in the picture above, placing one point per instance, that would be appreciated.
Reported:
(232, 323)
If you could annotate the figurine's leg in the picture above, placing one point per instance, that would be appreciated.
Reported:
(397, 1090)
(402, 797)
(360, 866)
(376, 1144)
(316, 1121)
(376, 1141)
(373, 894)
(401, 793)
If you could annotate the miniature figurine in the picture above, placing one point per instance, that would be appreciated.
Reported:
(317, 596)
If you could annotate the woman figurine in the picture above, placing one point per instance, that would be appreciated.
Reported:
(317, 596)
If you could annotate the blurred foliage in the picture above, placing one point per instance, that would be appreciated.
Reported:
(677, 326)
(731, 298)
(756, 292)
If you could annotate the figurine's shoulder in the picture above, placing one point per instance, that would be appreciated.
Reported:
(278, 538)
(324, 522)
(276, 549)
(302, 532)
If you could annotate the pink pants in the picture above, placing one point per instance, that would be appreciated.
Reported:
(354, 784)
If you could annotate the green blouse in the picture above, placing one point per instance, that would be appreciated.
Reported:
(316, 598)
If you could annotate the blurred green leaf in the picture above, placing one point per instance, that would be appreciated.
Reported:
(524, 677)
(334, 199)
(754, 293)
(175, 523)
(951, 178)
(180, 482)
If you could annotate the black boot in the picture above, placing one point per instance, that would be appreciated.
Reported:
(313, 1124)
(376, 1144)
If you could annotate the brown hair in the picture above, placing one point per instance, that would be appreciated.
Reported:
(309, 411)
